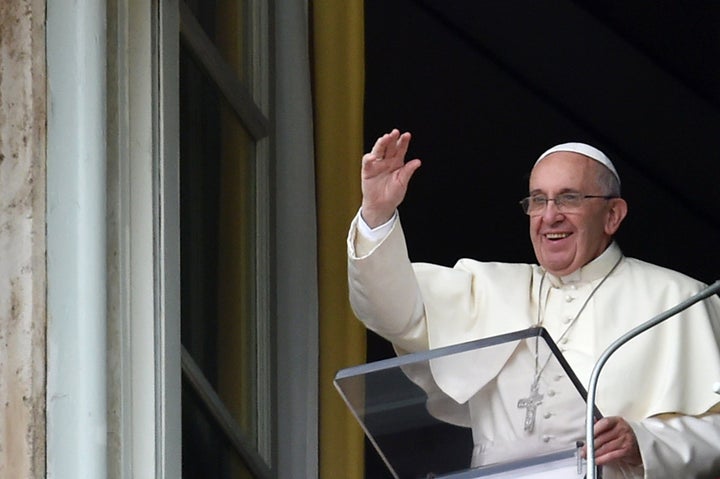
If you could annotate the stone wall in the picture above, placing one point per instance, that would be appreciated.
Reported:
(22, 238)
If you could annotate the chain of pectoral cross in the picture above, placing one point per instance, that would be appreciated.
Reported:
(531, 403)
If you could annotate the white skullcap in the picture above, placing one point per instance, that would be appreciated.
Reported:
(583, 149)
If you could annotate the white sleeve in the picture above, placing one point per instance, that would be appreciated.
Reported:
(683, 446)
(362, 240)
(375, 234)
(383, 289)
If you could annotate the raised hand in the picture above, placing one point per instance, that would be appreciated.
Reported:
(385, 177)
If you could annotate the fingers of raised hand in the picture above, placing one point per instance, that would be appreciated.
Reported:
(406, 172)
(379, 149)
(391, 145)
(372, 165)
(397, 146)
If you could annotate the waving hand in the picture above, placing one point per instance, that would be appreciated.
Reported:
(385, 177)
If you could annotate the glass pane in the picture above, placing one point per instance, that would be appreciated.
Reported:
(217, 210)
(226, 23)
(522, 410)
(206, 452)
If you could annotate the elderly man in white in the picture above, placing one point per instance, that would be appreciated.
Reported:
(662, 418)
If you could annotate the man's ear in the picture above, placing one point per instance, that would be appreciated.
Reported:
(617, 212)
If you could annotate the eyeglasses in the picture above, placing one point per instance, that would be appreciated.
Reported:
(564, 202)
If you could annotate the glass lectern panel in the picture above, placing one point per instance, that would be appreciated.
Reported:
(506, 406)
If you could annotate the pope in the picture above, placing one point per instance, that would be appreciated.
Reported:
(662, 418)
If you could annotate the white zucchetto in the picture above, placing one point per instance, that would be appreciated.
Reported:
(583, 149)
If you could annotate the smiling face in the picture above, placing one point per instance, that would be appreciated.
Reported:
(566, 241)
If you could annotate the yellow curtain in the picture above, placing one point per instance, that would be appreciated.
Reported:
(338, 85)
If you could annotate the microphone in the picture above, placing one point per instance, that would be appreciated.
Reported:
(614, 346)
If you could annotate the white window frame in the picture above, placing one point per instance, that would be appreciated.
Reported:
(76, 240)
(114, 352)
(147, 321)
(112, 142)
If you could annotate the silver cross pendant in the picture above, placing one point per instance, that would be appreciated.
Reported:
(530, 404)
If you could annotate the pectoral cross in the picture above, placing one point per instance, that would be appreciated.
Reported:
(530, 404)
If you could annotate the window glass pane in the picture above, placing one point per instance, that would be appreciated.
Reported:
(206, 452)
(217, 211)
(227, 24)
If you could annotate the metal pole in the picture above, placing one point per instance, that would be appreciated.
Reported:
(592, 388)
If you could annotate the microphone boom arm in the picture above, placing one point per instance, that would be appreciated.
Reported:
(614, 346)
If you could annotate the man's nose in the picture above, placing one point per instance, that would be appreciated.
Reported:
(551, 211)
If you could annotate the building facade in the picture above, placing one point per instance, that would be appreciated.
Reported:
(160, 312)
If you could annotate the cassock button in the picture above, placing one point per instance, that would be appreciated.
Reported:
(567, 320)
(546, 438)
(569, 299)
(558, 377)
(564, 341)
(551, 393)
(547, 415)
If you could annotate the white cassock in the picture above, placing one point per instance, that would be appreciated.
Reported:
(669, 369)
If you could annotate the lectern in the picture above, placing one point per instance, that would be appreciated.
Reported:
(508, 406)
